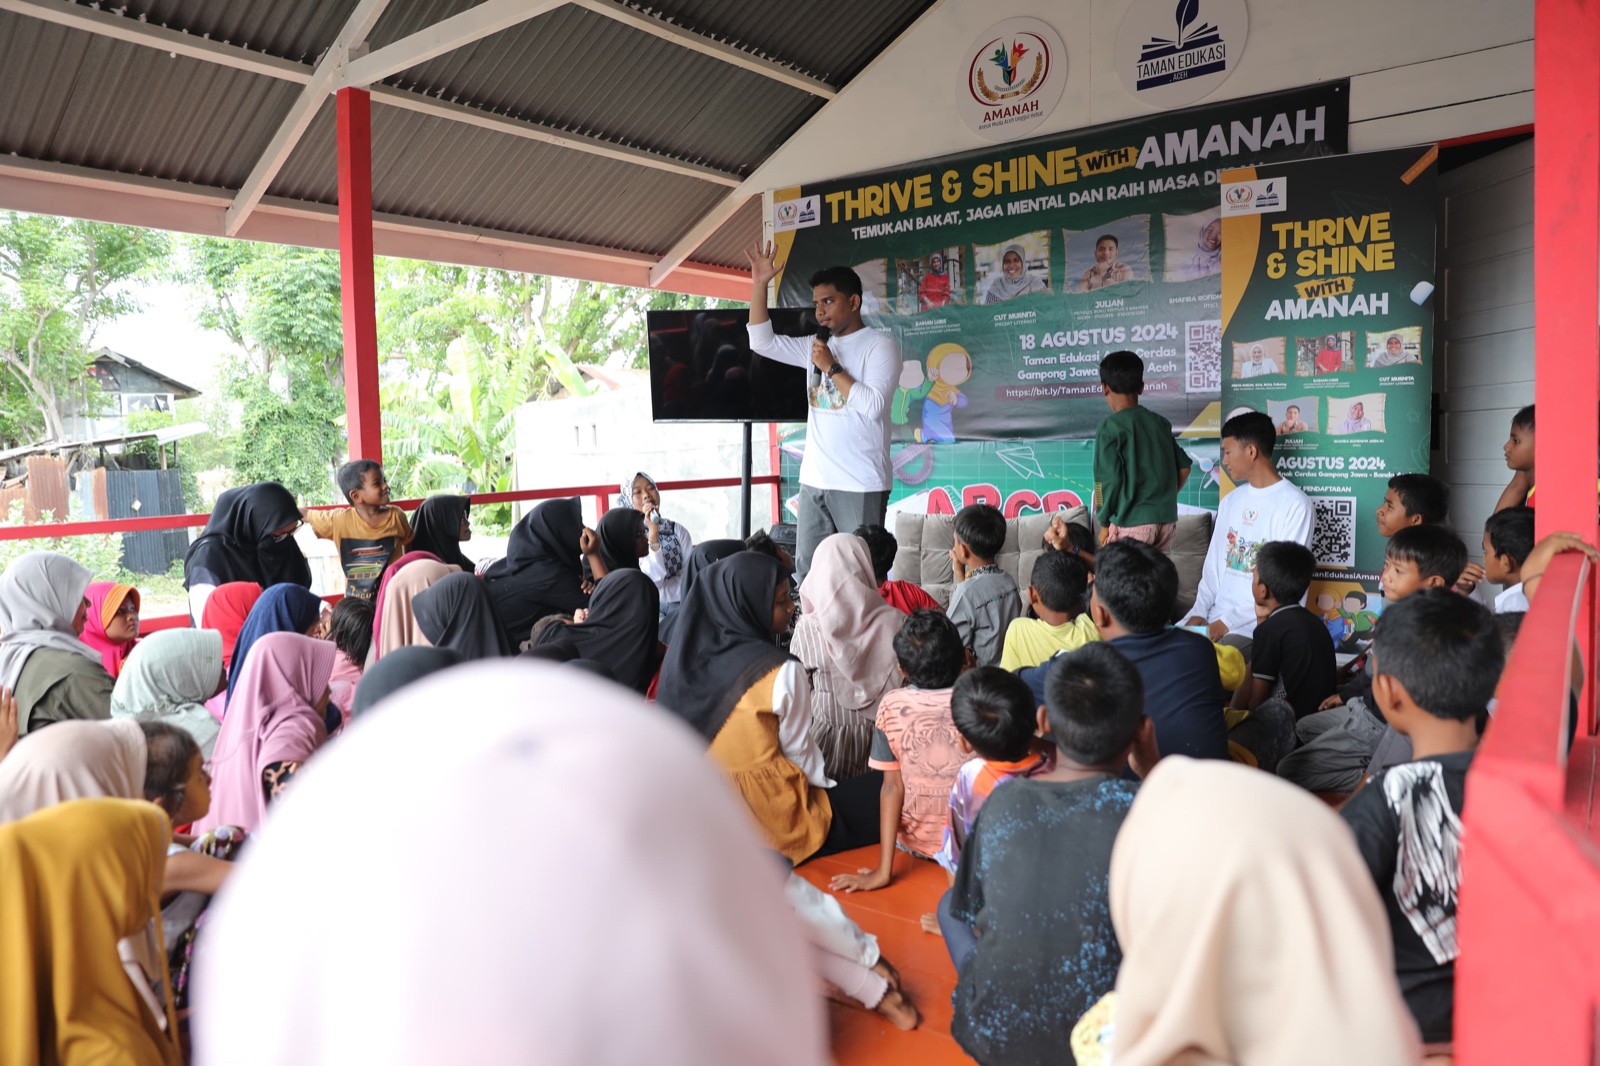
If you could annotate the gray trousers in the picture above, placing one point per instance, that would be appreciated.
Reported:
(1335, 747)
(824, 512)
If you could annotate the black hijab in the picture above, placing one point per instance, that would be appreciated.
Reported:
(704, 554)
(457, 612)
(542, 573)
(725, 644)
(397, 670)
(620, 632)
(436, 528)
(619, 538)
(237, 543)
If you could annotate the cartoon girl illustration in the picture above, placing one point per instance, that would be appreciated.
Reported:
(949, 365)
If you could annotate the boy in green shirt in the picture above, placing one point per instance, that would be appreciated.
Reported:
(1138, 465)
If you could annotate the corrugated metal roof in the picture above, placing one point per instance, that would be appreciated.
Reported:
(91, 101)
(726, 246)
(81, 98)
(291, 29)
(828, 39)
(430, 168)
(579, 71)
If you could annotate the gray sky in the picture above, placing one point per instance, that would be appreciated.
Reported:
(164, 336)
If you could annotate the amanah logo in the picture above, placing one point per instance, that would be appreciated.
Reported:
(1239, 195)
(797, 214)
(1193, 51)
(1014, 78)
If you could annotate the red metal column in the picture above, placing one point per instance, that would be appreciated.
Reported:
(1566, 276)
(362, 406)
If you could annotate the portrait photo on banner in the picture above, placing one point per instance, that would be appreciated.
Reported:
(1392, 347)
(934, 280)
(1326, 353)
(1254, 359)
(1294, 416)
(1194, 245)
(1348, 415)
(1109, 254)
(874, 275)
(1018, 267)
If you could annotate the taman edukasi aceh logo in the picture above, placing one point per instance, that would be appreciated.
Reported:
(1194, 51)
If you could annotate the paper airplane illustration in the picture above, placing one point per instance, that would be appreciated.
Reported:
(1021, 458)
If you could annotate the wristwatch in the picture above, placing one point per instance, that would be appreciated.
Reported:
(835, 369)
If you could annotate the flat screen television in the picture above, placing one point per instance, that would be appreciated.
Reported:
(702, 368)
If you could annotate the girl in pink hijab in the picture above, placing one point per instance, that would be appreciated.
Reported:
(275, 722)
(111, 624)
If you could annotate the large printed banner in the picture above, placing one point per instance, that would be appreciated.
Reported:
(1006, 274)
(1327, 270)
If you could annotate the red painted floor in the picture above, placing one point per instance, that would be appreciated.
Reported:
(894, 915)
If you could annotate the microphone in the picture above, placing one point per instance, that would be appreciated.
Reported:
(823, 333)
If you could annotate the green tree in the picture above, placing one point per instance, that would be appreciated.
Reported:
(279, 307)
(60, 279)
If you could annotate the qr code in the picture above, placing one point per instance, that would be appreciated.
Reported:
(1202, 356)
(1333, 541)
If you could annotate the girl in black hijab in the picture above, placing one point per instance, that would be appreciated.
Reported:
(702, 556)
(439, 526)
(752, 700)
(249, 537)
(542, 572)
(397, 670)
(623, 541)
(457, 612)
(619, 632)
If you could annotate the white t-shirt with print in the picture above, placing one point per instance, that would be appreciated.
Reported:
(1247, 518)
(847, 441)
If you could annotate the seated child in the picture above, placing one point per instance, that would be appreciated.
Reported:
(1074, 537)
(1029, 921)
(761, 541)
(994, 714)
(1135, 588)
(916, 746)
(350, 629)
(1293, 651)
(1507, 540)
(1436, 661)
(904, 596)
(370, 534)
(1059, 596)
(1421, 500)
(985, 599)
(1337, 742)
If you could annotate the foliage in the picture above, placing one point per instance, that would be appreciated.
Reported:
(59, 280)
(279, 306)
(101, 553)
(210, 450)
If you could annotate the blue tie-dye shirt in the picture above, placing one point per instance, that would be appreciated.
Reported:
(1034, 883)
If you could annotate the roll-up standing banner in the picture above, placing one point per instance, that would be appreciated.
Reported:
(1007, 273)
(1327, 326)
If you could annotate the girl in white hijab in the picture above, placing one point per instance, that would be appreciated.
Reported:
(54, 675)
(649, 925)
(1250, 928)
(168, 677)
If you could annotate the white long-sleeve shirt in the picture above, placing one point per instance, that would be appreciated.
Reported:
(847, 440)
(654, 565)
(1247, 518)
(791, 702)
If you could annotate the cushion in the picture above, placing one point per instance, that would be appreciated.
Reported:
(925, 543)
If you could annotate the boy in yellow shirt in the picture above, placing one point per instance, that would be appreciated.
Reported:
(370, 533)
(1059, 596)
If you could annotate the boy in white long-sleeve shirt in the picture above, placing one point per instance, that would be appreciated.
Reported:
(1262, 507)
(845, 476)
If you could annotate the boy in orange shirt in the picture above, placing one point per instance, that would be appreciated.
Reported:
(370, 533)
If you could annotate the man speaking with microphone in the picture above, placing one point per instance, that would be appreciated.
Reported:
(845, 476)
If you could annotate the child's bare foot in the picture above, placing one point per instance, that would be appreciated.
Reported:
(930, 924)
(899, 1010)
(885, 969)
